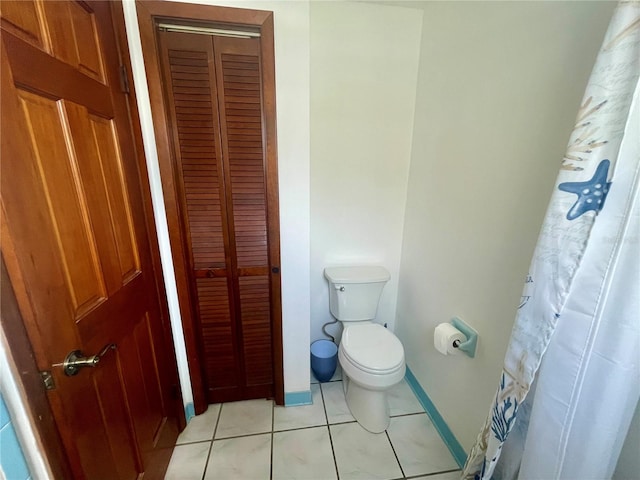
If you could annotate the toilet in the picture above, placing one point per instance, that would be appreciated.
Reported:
(371, 357)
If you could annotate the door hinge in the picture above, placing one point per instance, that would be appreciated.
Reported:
(124, 79)
(47, 380)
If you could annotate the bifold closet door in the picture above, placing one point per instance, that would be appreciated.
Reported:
(213, 92)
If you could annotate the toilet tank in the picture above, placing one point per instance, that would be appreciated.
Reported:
(354, 292)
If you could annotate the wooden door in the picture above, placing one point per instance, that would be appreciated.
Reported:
(214, 97)
(75, 238)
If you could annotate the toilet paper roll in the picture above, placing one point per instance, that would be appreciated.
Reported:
(444, 336)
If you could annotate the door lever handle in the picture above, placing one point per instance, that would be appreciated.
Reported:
(76, 360)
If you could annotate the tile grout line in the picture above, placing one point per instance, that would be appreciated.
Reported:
(339, 415)
(293, 429)
(394, 453)
(326, 417)
(408, 415)
(328, 425)
(233, 437)
(273, 421)
(432, 474)
(195, 442)
(215, 428)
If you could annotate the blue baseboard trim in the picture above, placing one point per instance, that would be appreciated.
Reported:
(293, 399)
(189, 411)
(442, 428)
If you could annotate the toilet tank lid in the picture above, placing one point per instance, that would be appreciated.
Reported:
(359, 274)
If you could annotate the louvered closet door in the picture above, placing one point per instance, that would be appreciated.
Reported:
(238, 81)
(213, 88)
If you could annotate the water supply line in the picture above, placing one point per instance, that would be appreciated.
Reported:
(328, 334)
(341, 289)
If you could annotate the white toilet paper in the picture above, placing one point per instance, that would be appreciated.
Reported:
(444, 336)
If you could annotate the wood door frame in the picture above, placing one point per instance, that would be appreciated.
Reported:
(20, 347)
(148, 11)
(134, 121)
(27, 376)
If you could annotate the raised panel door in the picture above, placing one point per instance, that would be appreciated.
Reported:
(74, 235)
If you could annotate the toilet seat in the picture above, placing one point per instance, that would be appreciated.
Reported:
(372, 348)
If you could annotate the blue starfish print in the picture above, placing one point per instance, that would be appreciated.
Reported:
(591, 194)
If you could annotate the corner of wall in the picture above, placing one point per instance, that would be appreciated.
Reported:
(362, 123)
(495, 104)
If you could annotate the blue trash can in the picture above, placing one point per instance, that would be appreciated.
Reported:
(324, 359)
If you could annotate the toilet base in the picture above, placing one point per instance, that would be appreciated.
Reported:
(369, 407)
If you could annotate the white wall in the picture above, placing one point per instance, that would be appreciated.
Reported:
(364, 66)
(498, 91)
(291, 23)
(27, 439)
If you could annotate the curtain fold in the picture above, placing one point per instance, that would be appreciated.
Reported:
(577, 334)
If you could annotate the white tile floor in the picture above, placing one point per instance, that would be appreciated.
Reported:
(255, 439)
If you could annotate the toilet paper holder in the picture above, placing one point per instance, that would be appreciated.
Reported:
(468, 347)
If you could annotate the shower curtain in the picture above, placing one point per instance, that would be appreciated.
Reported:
(571, 375)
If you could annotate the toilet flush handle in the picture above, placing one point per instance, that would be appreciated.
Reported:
(339, 287)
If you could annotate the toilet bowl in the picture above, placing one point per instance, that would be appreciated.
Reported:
(371, 357)
(372, 361)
